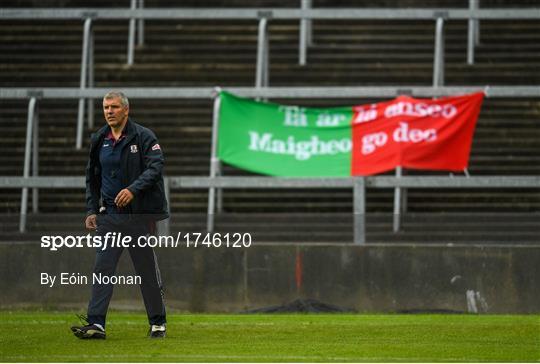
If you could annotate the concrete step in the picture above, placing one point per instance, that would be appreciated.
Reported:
(307, 201)
(209, 53)
(328, 228)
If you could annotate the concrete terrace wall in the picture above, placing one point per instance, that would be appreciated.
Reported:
(368, 279)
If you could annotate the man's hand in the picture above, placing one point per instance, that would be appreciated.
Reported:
(90, 222)
(123, 198)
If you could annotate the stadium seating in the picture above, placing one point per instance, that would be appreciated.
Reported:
(223, 53)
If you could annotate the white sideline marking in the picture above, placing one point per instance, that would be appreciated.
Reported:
(189, 323)
(225, 357)
(175, 324)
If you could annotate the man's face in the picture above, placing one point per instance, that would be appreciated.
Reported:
(115, 113)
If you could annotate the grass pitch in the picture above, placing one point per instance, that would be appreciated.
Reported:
(45, 337)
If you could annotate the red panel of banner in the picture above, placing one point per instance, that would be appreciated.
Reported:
(414, 133)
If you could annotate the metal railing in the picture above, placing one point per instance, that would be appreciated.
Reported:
(305, 38)
(32, 143)
(473, 34)
(86, 80)
(263, 15)
(305, 14)
(35, 94)
(358, 184)
(84, 93)
(308, 92)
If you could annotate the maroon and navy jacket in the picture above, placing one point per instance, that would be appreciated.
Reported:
(142, 172)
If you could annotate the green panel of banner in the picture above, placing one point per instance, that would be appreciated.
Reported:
(280, 140)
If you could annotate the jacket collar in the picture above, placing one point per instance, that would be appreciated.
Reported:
(129, 129)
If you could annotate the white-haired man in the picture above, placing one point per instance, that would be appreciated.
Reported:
(124, 172)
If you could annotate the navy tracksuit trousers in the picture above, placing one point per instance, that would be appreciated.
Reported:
(145, 264)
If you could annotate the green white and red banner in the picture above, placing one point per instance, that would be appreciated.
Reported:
(293, 141)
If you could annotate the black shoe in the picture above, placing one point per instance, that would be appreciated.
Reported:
(157, 331)
(87, 330)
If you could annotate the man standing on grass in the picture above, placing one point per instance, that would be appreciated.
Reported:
(124, 171)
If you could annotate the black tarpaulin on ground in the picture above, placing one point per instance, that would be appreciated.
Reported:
(301, 305)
